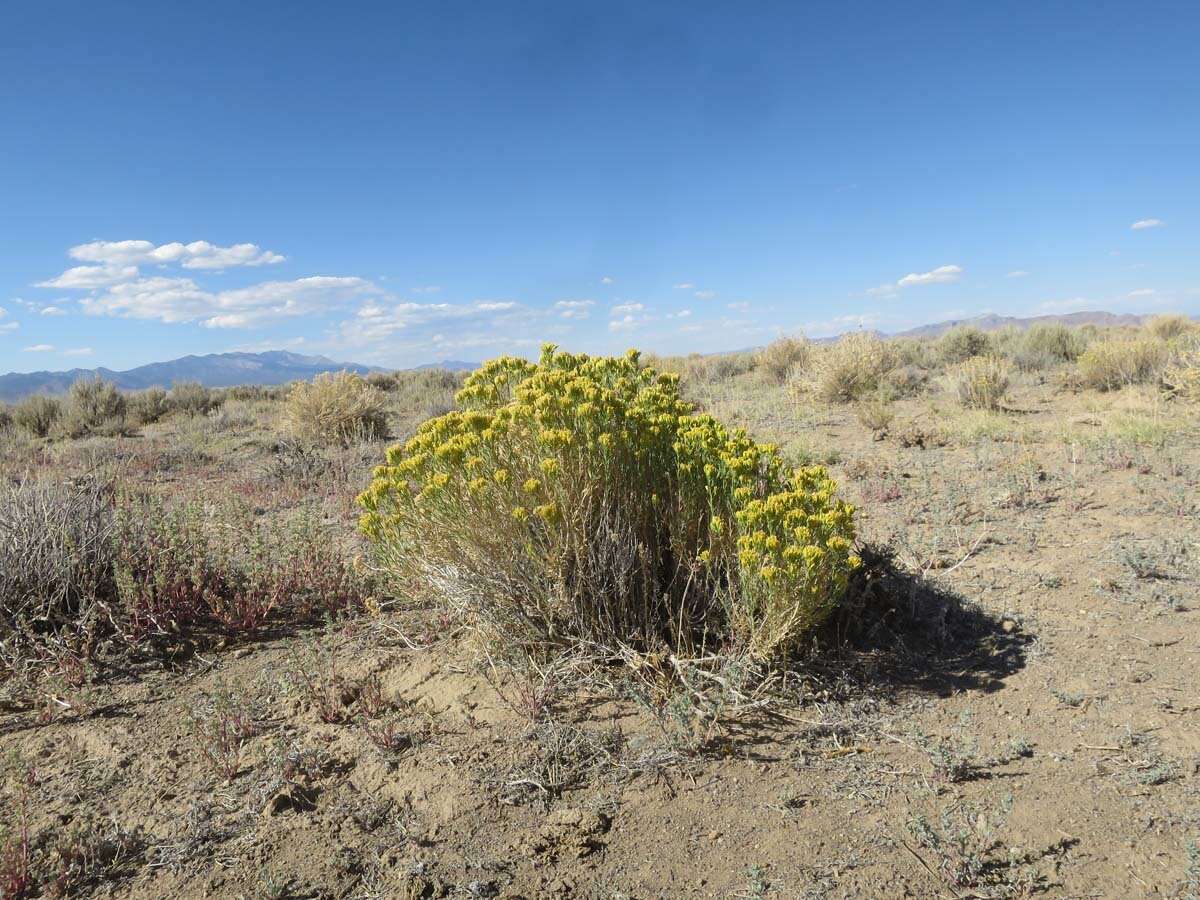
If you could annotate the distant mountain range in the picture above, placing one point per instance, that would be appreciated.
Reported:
(992, 322)
(214, 370)
(280, 366)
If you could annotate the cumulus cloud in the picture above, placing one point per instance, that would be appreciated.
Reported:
(940, 275)
(624, 309)
(574, 309)
(40, 348)
(52, 311)
(625, 323)
(1142, 224)
(182, 300)
(196, 255)
(88, 277)
(375, 322)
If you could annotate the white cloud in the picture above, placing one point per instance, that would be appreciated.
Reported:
(1017, 273)
(7, 327)
(196, 255)
(53, 311)
(40, 348)
(78, 351)
(574, 309)
(3, 312)
(684, 286)
(88, 277)
(625, 323)
(427, 289)
(1142, 224)
(940, 275)
(682, 314)
(421, 322)
(182, 300)
(740, 306)
(1142, 292)
(884, 290)
(625, 309)
(706, 295)
(607, 279)
(495, 306)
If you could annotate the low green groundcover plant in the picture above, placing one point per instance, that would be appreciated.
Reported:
(581, 499)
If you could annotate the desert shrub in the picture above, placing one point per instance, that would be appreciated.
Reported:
(1169, 327)
(94, 406)
(1112, 363)
(582, 499)
(255, 392)
(1046, 345)
(962, 343)
(1181, 377)
(188, 565)
(55, 562)
(147, 407)
(336, 408)
(191, 398)
(383, 381)
(875, 413)
(903, 381)
(37, 414)
(911, 351)
(851, 368)
(781, 357)
(6, 419)
(981, 382)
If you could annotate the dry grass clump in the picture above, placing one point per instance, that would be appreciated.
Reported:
(1181, 377)
(94, 406)
(1170, 327)
(56, 560)
(699, 369)
(963, 342)
(193, 399)
(146, 407)
(581, 499)
(783, 357)
(981, 382)
(336, 408)
(5, 417)
(1115, 362)
(37, 415)
(1047, 344)
(851, 368)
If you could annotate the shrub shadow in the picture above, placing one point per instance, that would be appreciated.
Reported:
(899, 630)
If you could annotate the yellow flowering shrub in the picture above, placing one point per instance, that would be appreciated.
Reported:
(581, 498)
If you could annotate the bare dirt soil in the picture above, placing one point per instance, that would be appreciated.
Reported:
(1011, 710)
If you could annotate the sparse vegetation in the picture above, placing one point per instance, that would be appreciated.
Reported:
(962, 343)
(784, 357)
(191, 398)
(981, 382)
(1116, 362)
(37, 414)
(337, 408)
(851, 368)
(94, 406)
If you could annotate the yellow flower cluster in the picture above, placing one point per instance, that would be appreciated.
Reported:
(574, 440)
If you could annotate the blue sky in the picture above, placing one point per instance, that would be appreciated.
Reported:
(396, 183)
